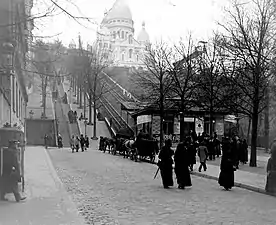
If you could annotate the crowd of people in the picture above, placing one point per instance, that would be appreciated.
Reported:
(72, 116)
(77, 143)
(206, 148)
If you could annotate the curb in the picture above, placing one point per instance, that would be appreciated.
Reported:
(70, 206)
(236, 184)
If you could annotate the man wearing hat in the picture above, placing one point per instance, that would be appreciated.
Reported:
(11, 173)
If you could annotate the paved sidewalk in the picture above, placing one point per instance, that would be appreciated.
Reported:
(47, 201)
(243, 179)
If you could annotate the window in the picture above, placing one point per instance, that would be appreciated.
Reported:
(123, 57)
(19, 104)
(130, 53)
(105, 45)
(126, 35)
(118, 34)
(13, 94)
(123, 34)
(137, 57)
(130, 39)
(16, 100)
(114, 34)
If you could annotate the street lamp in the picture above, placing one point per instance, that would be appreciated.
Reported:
(85, 125)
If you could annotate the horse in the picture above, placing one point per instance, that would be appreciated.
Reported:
(108, 143)
(130, 149)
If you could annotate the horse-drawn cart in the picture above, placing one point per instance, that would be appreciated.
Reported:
(146, 148)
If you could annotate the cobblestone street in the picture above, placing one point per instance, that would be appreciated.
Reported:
(111, 190)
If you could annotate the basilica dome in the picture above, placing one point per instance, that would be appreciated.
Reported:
(143, 36)
(120, 10)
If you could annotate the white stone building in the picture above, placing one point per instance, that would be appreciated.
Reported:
(116, 32)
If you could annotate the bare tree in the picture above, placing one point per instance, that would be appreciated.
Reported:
(184, 76)
(47, 64)
(249, 43)
(156, 80)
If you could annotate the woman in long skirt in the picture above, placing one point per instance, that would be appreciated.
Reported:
(226, 176)
(181, 160)
(165, 164)
(270, 186)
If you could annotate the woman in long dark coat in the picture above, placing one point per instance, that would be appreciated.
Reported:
(270, 186)
(226, 176)
(165, 164)
(181, 160)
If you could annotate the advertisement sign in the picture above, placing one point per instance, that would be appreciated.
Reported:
(199, 125)
(143, 119)
(189, 119)
(176, 127)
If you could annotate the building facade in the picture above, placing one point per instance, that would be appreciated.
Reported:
(117, 33)
(15, 32)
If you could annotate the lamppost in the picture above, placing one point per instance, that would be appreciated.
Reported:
(85, 125)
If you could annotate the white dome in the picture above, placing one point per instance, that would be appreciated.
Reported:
(120, 10)
(143, 36)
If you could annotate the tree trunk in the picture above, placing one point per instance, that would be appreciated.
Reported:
(90, 108)
(161, 103)
(94, 120)
(84, 104)
(254, 135)
(266, 122)
(248, 129)
(80, 107)
(181, 126)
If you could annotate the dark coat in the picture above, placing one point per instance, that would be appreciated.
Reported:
(165, 164)
(182, 162)
(271, 172)
(226, 176)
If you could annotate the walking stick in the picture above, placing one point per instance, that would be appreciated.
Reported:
(156, 173)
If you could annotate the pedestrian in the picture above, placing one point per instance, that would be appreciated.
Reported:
(82, 142)
(72, 143)
(86, 142)
(236, 151)
(81, 117)
(75, 116)
(165, 164)
(202, 154)
(181, 160)
(101, 143)
(60, 144)
(244, 152)
(11, 173)
(270, 186)
(191, 153)
(227, 166)
(77, 145)
(46, 141)
(211, 149)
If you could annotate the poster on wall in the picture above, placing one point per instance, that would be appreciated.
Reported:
(199, 125)
(220, 127)
(176, 127)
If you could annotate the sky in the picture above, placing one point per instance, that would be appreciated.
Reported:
(168, 20)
